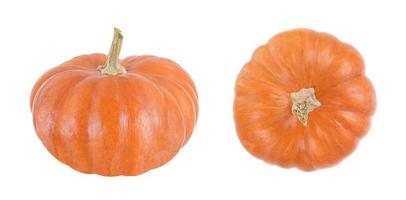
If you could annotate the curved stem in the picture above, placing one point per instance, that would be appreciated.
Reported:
(112, 67)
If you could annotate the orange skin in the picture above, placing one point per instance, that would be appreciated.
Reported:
(291, 61)
(114, 125)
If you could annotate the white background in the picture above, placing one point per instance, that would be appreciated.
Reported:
(211, 40)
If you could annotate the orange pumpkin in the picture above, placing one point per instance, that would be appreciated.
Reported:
(303, 100)
(101, 115)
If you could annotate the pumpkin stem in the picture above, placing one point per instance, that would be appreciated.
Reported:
(112, 66)
(303, 102)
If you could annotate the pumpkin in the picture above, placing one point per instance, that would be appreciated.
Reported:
(303, 100)
(102, 115)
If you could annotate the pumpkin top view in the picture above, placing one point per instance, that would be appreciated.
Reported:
(303, 100)
(102, 115)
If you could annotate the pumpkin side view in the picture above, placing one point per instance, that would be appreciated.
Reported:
(106, 116)
(303, 100)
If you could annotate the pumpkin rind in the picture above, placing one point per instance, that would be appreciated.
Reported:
(124, 124)
(291, 61)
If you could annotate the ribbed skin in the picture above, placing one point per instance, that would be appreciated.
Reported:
(290, 61)
(114, 124)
